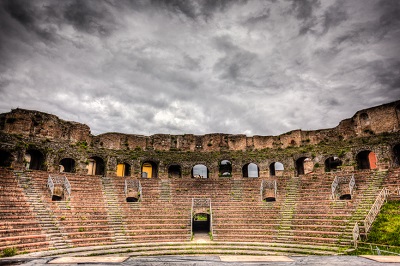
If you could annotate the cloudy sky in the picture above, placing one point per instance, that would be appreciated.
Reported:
(207, 66)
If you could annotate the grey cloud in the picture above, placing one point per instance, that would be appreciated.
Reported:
(146, 67)
(90, 16)
(335, 15)
(304, 8)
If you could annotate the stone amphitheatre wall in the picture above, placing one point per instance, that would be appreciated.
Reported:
(374, 129)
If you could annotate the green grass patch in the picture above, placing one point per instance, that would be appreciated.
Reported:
(386, 228)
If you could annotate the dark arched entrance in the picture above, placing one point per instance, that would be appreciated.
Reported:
(149, 169)
(276, 169)
(174, 171)
(396, 155)
(96, 166)
(304, 165)
(34, 160)
(366, 160)
(250, 170)
(6, 158)
(225, 168)
(332, 163)
(67, 165)
(200, 171)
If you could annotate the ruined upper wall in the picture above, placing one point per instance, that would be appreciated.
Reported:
(33, 123)
(375, 120)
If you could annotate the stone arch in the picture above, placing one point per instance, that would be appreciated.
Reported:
(366, 159)
(6, 158)
(200, 171)
(149, 169)
(96, 166)
(276, 169)
(67, 165)
(396, 155)
(34, 159)
(175, 171)
(304, 165)
(251, 170)
(123, 169)
(332, 163)
(225, 168)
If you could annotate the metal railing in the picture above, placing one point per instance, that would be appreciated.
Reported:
(375, 209)
(134, 185)
(50, 185)
(268, 184)
(356, 234)
(352, 184)
(55, 180)
(343, 180)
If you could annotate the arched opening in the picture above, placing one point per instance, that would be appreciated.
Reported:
(366, 160)
(276, 169)
(96, 166)
(174, 171)
(149, 169)
(225, 168)
(396, 155)
(34, 160)
(67, 165)
(364, 120)
(250, 170)
(5, 158)
(345, 197)
(332, 163)
(201, 223)
(58, 193)
(200, 171)
(304, 165)
(123, 169)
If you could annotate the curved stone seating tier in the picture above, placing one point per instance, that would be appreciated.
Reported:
(19, 227)
(98, 213)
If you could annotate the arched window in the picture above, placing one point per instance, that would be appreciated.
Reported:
(5, 159)
(123, 169)
(149, 169)
(174, 171)
(34, 160)
(200, 171)
(276, 169)
(332, 163)
(67, 165)
(396, 155)
(250, 170)
(304, 165)
(366, 160)
(225, 168)
(96, 166)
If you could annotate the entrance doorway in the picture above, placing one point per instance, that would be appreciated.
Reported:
(201, 227)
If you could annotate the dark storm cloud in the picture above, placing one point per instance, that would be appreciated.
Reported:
(90, 16)
(252, 67)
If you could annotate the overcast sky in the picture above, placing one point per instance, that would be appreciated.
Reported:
(174, 67)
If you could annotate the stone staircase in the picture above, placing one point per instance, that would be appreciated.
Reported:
(48, 222)
(237, 190)
(114, 211)
(373, 182)
(288, 209)
(165, 190)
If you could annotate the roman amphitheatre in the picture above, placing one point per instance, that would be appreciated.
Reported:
(66, 191)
